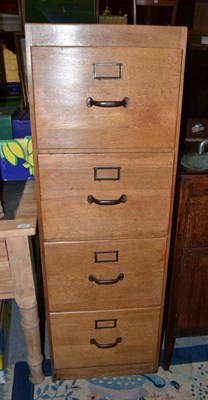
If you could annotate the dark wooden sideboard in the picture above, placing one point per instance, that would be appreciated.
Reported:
(187, 298)
(186, 312)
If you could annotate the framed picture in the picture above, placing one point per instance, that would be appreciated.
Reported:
(19, 38)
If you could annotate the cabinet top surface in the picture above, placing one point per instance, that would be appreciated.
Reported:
(110, 35)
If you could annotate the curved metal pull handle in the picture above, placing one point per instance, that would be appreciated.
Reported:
(92, 278)
(106, 345)
(107, 103)
(91, 199)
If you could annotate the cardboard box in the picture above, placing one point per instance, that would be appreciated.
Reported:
(21, 125)
(5, 316)
(6, 116)
(16, 159)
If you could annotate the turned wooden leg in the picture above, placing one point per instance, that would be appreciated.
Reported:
(30, 326)
(24, 290)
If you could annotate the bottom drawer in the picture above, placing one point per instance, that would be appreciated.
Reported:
(104, 338)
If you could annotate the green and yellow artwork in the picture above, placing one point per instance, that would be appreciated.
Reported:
(18, 153)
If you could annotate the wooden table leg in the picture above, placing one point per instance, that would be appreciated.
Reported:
(20, 260)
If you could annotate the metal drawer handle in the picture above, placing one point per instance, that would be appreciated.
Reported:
(91, 199)
(92, 278)
(106, 345)
(107, 103)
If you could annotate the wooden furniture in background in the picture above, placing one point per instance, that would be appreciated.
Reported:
(197, 81)
(17, 278)
(187, 302)
(145, 12)
(187, 296)
(200, 24)
(151, 12)
(21, 12)
(9, 7)
(19, 39)
(105, 114)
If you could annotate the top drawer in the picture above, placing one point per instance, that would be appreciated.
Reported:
(65, 77)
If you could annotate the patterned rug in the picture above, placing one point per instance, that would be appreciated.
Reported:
(186, 379)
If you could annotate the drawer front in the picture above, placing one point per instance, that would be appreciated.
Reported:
(142, 181)
(111, 274)
(78, 338)
(72, 75)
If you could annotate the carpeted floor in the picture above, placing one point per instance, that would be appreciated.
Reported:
(187, 379)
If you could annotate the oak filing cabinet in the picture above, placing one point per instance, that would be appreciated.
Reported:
(105, 104)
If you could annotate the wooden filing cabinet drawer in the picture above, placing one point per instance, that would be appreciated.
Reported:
(72, 75)
(90, 275)
(78, 339)
(144, 181)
